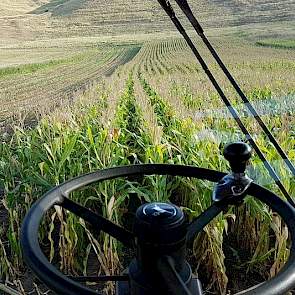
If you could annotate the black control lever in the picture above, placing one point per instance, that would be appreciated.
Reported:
(236, 183)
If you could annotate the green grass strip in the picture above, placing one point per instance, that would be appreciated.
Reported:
(34, 67)
(29, 68)
(284, 44)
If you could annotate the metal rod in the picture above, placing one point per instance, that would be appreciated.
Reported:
(169, 10)
(198, 224)
(170, 276)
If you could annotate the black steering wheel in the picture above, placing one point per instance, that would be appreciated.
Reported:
(56, 281)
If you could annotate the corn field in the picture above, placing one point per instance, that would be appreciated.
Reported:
(157, 108)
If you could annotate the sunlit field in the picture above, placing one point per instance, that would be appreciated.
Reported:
(37, 77)
(148, 102)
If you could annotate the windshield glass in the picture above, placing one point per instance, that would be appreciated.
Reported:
(88, 85)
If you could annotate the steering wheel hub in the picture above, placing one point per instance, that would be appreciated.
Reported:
(159, 224)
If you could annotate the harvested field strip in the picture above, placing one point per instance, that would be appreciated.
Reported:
(58, 81)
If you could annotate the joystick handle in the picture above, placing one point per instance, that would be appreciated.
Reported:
(238, 155)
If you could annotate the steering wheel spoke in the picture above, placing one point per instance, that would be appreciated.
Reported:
(197, 225)
(100, 223)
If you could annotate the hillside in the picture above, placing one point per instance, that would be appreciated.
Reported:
(18, 7)
(146, 16)
(257, 11)
(67, 18)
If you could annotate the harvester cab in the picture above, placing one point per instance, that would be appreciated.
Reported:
(162, 234)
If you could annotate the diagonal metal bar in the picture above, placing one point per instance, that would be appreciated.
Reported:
(101, 223)
(183, 4)
(197, 225)
(169, 10)
(171, 278)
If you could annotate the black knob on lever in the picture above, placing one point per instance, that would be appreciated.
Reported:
(238, 154)
(236, 183)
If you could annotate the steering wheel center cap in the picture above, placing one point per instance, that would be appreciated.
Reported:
(159, 210)
(159, 214)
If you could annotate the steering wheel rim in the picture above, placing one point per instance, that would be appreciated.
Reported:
(56, 281)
